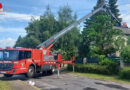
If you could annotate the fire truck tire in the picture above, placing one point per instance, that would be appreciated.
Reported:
(31, 72)
(8, 75)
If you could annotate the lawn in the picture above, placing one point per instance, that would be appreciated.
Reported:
(104, 77)
(4, 85)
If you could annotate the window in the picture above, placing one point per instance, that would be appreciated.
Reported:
(24, 54)
(9, 55)
(27, 54)
(1, 55)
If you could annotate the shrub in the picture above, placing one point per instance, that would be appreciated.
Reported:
(101, 57)
(125, 73)
(90, 68)
(111, 65)
(125, 54)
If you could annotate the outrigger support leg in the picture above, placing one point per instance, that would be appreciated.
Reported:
(58, 73)
(73, 68)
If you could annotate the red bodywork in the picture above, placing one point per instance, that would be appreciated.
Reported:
(37, 58)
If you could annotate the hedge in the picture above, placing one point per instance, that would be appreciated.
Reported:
(125, 73)
(91, 68)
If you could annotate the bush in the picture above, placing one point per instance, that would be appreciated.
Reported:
(101, 57)
(90, 68)
(111, 65)
(125, 54)
(125, 73)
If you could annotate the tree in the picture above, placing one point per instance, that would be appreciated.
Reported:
(98, 36)
(30, 42)
(18, 42)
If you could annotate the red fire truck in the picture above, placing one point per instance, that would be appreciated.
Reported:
(40, 60)
(29, 61)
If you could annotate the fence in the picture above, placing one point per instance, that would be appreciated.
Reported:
(96, 60)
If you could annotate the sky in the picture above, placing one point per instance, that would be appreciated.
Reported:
(19, 12)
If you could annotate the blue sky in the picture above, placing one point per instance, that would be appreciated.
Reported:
(18, 13)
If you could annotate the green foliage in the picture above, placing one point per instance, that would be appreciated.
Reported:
(89, 68)
(30, 42)
(125, 73)
(98, 36)
(92, 68)
(18, 42)
(128, 41)
(125, 54)
(111, 65)
(101, 57)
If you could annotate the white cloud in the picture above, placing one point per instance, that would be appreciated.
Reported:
(17, 16)
(9, 42)
(15, 30)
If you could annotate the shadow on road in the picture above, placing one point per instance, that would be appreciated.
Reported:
(112, 86)
(15, 77)
(22, 77)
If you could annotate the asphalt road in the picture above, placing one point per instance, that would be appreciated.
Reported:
(69, 81)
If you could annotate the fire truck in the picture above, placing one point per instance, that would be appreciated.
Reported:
(29, 61)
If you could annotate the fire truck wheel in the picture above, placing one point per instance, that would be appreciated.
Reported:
(8, 75)
(31, 72)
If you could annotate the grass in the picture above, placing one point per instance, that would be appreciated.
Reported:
(104, 77)
(4, 85)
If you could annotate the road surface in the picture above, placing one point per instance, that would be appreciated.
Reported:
(70, 81)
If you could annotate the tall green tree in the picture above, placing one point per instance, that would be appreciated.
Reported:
(18, 42)
(98, 37)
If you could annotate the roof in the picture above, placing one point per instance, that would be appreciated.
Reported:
(125, 30)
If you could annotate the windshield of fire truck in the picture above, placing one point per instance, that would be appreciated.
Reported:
(9, 55)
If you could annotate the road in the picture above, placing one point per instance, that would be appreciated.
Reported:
(69, 81)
